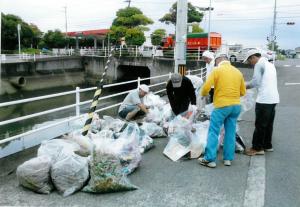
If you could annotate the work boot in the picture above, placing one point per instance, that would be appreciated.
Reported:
(227, 162)
(252, 152)
(206, 163)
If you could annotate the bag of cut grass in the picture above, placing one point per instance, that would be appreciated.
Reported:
(106, 170)
(34, 174)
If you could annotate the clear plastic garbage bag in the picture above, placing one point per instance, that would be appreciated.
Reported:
(34, 174)
(70, 173)
(153, 130)
(152, 100)
(154, 115)
(109, 123)
(85, 143)
(199, 138)
(145, 142)
(247, 102)
(106, 170)
(127, 148)
(55, 148)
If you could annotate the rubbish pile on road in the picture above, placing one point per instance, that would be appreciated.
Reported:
(101, 161)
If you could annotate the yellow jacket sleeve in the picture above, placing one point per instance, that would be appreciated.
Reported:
(243, 87)
(210, 81)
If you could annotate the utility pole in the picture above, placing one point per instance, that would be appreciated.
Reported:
(19, 39)
(273, 37)
(66, 20)
(129, 1)
(209, 17)
(180, 46)
(0, 51)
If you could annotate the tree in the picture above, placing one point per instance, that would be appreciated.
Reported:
(37, 35)
(131, 24)
(193, 15)
(157, 36)
(197, 28)
(54, 39)
(10, 34)
(276, 47)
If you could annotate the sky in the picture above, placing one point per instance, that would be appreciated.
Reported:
(239, 21)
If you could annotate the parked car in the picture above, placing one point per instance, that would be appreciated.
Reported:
(241, 55)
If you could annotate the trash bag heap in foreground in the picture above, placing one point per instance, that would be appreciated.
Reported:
(101, 161)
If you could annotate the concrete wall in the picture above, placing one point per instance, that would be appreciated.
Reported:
(42, 66)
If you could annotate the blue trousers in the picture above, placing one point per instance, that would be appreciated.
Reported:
(228, 116)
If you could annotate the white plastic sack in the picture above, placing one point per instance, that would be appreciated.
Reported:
(199, 139)
(152, 100)
(209, 109)
(57, 148)
(153, 130)
(103, 134)
(84, 142)
(196, 81)
(70, 174)
(34, 174)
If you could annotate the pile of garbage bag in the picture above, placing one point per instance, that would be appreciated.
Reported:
(106, 171)
(34, 174)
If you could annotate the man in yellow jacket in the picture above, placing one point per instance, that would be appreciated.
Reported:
(229, 86)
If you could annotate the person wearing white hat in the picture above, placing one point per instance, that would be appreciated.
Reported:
(265, 80)
(209, 59)
(229, 87)
(132, 105)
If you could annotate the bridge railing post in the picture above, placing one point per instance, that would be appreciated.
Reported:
(120, 54)
(136, 51)
(34, 57)
(189, 72)
(170, 74)
(198, 53)
(77, 101)
(138, 82)
(104, 51)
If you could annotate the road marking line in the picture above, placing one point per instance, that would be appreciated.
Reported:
(256, 182)
(286, 65)
(291, 84)
(297, 66)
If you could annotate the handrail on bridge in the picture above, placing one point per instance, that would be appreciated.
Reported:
(78, 103)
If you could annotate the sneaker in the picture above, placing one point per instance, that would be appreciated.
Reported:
(252, 152)
(269, 150)
(227, 162)
(206, 163)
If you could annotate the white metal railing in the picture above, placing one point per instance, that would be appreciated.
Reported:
(78, 103)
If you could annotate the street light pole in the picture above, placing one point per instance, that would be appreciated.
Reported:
(209, 18)
(180, 45)
(19, 39)
(274, 27)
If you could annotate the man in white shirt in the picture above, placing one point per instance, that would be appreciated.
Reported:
(132, 105)
(208, 58)
(265, 80)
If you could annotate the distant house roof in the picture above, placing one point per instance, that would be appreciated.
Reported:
(89, 33)
(297, 49)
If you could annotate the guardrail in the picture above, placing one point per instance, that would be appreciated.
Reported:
(200, 72)
(132, 51)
